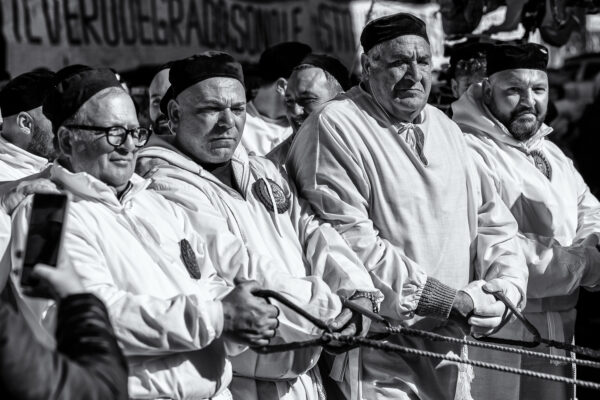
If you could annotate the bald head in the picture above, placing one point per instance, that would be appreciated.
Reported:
(307, 89)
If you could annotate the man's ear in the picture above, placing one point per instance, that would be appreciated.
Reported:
(25, 122)
(454, 87)
(64, 141)
(486, 91)
(366, 65)
(281, 86)
(174, 112)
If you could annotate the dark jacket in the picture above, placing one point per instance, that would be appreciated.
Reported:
(87, 364)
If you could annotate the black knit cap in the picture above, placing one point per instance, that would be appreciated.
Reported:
(210, 64)
(25, 92)
(280, 60)
(331, 65)
(510, 56)
(390, 27)
(73, 86)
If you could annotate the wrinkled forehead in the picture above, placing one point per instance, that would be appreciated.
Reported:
(305, 81)
(110, 107)
(405, 46)
(521, 77)
(217, 89)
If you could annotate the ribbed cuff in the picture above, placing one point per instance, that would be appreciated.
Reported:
(436, 299)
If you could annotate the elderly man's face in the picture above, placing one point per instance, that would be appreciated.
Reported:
(306, 91)
(518, 98)
(209, 117)
(400, 78)
(157, 89)
(90, 151)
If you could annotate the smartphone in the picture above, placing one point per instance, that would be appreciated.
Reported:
(46, 227)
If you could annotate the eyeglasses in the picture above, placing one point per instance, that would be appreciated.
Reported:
(117, 135)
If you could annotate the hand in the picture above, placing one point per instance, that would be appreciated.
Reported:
(13, 193)
(147, 165)
(487, 311)
(349, 322)
(249, 319)
(54, 283)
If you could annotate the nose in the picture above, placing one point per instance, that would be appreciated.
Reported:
(412, 71)
(226, 118)
(128, 145)
(528, 98)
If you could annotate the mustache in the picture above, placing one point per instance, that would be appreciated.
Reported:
(523, 110)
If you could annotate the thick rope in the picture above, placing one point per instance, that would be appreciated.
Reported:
(490, 346)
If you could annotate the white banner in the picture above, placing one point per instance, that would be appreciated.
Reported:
(127, 33)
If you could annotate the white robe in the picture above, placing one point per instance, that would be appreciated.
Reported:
(127, 252)
(289, 252)
(551, 213)
(411, 224)
(262, 134)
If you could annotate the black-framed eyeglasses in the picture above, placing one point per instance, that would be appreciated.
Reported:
(117, 135)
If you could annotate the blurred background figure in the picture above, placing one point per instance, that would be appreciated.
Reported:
(156, 91)
(318, 79)
(266, 122)
(467, 66)
(26, 138)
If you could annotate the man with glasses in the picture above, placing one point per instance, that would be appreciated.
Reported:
(137, 252)
(318, 79)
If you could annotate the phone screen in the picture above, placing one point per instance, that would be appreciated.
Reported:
(45, 232)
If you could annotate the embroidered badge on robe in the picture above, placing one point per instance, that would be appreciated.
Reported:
(188, 256)
(542, 163)
(261, 191)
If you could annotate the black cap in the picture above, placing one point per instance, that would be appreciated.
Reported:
(280, 60)
(74, 85)
(25, 92)
(189, 71)
(332, 65)
(390, 27)
(510, 56)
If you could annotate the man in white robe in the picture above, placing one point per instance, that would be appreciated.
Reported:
(266, 123)
(558, 217)
(395, 177)
(250, 207)
(137, 252)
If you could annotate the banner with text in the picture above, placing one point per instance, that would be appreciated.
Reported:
(127, 33)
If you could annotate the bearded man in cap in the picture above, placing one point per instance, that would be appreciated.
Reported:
(318, 79)
(395, 177)
(26, 138)
(266, 123)
(156, 91)
(137, 252)
(244, 205)
(558, 217)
